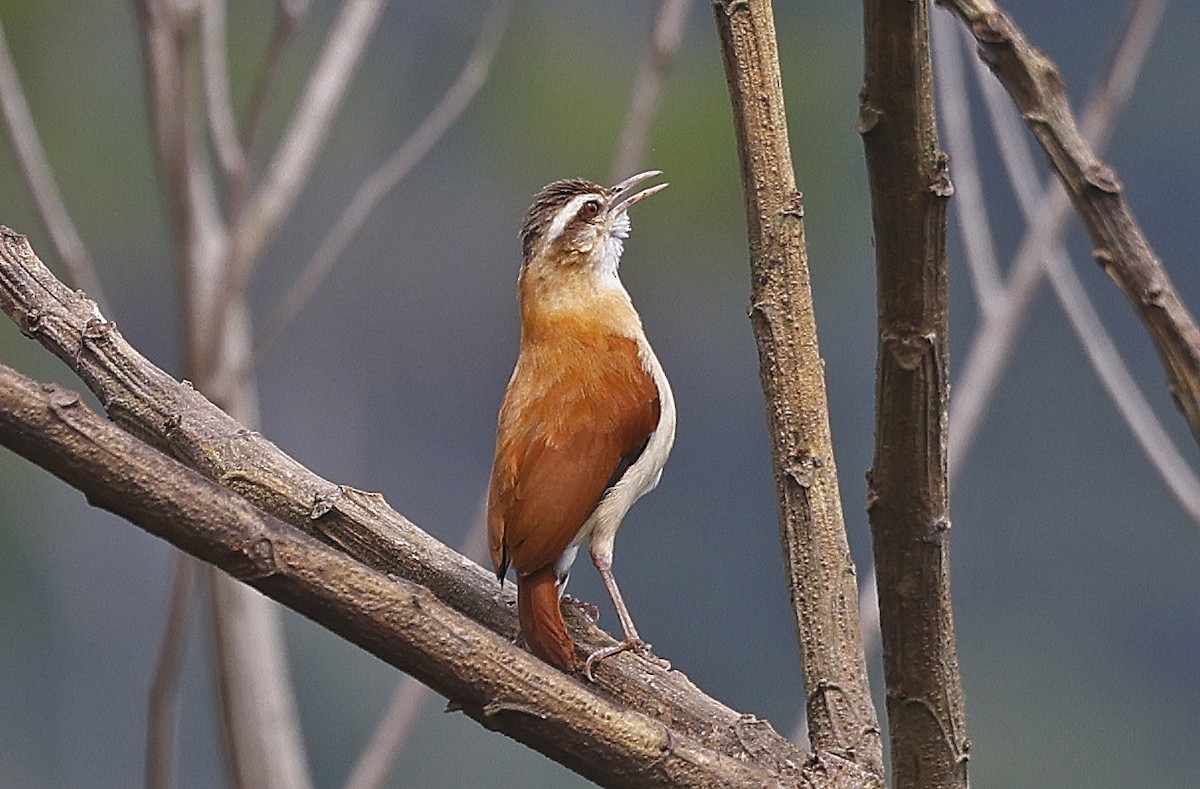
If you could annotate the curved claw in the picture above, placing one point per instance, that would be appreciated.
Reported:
(636, 645)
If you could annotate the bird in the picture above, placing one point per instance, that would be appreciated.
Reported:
(588, 418)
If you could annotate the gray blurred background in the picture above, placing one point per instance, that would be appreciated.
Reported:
(1075, 575)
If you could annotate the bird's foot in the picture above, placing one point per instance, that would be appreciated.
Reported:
(589, 610)
(635, 645)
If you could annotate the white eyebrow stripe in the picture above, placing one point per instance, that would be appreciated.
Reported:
(566, 214)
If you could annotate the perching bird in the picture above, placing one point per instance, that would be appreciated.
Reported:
(588, 419)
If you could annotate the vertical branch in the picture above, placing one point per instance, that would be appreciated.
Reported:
(261, 723)
(821, 576)
(164, 689)
(908, 497)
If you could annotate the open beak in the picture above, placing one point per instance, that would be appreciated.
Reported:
(624, 195)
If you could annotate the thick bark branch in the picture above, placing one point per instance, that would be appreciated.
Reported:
(908, 499)
(416, 603)
(821, 576)
(1036, 86)
(400, 622)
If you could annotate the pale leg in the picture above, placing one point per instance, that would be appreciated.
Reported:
(632, 640)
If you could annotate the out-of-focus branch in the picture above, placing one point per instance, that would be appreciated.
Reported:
(288, 15)
(261, 726)
(908, 499)
(39, 180)
(821, 575)
(306, 134)
(214, 53)
(164, 690)
(640, 725)
(1119, 244)
(971, 214)
(375, 763)
(1151, 436)
(665, 39)
(991, 347)
(435, 125)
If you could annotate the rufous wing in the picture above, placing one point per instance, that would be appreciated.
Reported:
(559, 453)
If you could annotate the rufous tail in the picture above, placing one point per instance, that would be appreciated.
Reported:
(541, 619)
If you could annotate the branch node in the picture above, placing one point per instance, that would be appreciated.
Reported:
(60, 397)
(868, 117)
(1102, 177)
(324, 503)
(31, 323)
(993, 28)
(730, 6)
(493, 708)
(751, 731)
(939, 530)
(794, 206)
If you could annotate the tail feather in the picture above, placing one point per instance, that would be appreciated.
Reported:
(541, 619)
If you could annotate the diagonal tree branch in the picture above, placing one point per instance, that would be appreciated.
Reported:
(181, 422)
(497, 684)
(821, 575)
(908, 500)
(998, 331)
(1120, 247)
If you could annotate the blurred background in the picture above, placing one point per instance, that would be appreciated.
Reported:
(1075, 573)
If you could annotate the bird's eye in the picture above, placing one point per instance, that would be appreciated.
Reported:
(589, 210)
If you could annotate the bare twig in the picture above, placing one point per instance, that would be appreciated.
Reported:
(908, 501)
(1119, 244)
(451, 106)
(306, 134)
(991, 347)
(261, 723)
(821, 576)
(222, 125)
(164, 689)
(660, 731)
(665, 39)
(1152, 437)
(39, 180)
(288, 15)
(375, 763)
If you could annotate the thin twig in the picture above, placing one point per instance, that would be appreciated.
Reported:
(447, 111)
(288, 16)
(665, 40)
(991, 347)
(164, 688)
(39, 180)
(214, 51)
(1154, 440)
(307, 133)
